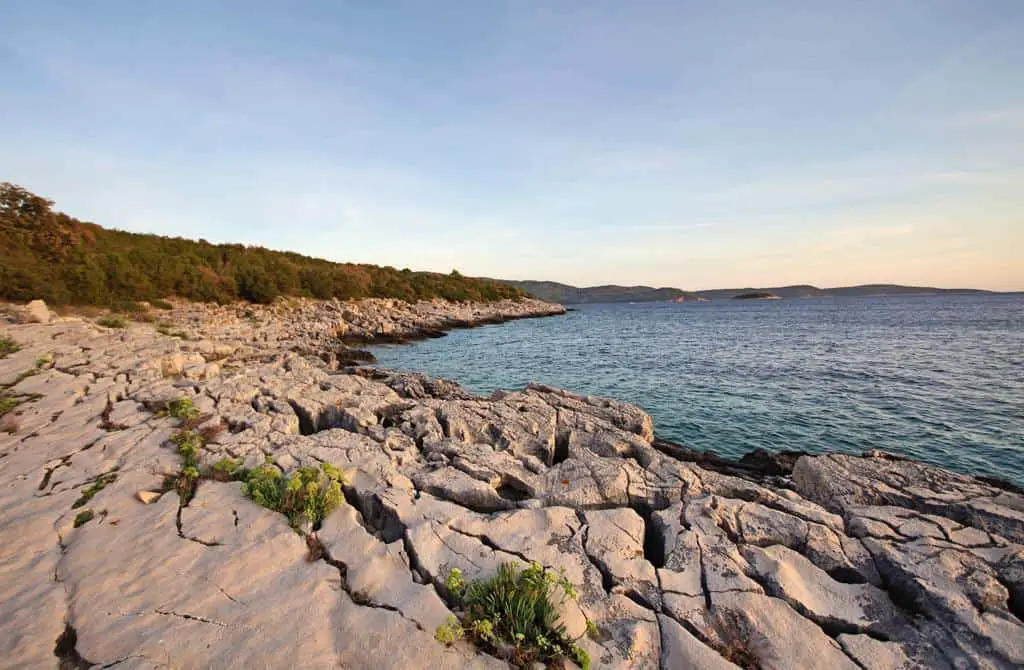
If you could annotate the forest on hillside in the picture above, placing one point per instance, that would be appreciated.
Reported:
(50, 255)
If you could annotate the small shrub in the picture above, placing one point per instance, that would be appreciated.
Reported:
(513, 609)
(161, 304)
(112, 321)
(186, 482)
(182, 408)
(449, 632)
(8, 346)
(189, 446)
(91, 490)
(83, 517)
(307, 493)
(226, 469)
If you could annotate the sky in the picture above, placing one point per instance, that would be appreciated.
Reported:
(686, 143)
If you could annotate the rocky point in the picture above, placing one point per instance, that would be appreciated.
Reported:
(837, 561)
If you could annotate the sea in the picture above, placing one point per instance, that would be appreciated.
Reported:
(939, 378)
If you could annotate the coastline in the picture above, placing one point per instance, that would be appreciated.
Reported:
(678, 558)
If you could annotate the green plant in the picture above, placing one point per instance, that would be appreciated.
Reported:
(95, 487)
(83, 517)
(189, 445)
(227, 469)
(42, 360)
(112, 321)
(182, 408)
(450, 631)
(307, 493)
(513, 608)
(592, 631)
(161, 304)
(7, 403)
(8, 346)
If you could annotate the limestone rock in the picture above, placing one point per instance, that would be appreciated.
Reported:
(36, 312)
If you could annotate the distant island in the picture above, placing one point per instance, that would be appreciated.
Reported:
(566, 294)
(572, 295)
(756, 295)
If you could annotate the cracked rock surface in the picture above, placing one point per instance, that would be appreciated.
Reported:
(844, 562)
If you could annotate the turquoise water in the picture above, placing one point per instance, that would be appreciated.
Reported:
(937, 378)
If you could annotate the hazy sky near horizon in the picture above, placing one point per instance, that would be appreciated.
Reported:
(683, 143)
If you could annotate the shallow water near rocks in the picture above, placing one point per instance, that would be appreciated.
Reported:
(937, 378)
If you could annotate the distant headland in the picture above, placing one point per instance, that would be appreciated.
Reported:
(572, 295)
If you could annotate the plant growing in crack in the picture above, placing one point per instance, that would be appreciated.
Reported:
(181, 408)
(307, 494)
(227, 469)
(83, 517)
(92, 489)
(112, 321)
(189, 444)
(512, 615)
(8, 346)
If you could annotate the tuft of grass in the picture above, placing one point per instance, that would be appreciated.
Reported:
(307, 493)
(91, 490)
(165, 328)
(161, 304)
(7, 403)
(513, 610)
(83, 517)
(112, 321)
(8, 346)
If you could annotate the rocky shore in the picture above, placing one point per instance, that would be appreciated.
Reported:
(679, 560)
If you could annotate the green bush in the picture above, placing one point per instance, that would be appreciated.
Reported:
(83, 517)
(513, 609)
(161, 304)
(112, 321)
(8, 402)
(307, 493)
(8, 346)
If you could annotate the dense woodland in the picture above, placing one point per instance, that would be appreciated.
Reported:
(50, 255)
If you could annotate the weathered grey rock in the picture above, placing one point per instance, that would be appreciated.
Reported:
(868, 562)
(858, 608)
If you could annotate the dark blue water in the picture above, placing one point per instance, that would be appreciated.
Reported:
(937, 378)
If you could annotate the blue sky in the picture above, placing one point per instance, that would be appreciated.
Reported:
(690, 144)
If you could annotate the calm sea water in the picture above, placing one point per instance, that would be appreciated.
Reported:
(937, 378)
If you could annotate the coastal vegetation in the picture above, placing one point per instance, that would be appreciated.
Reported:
(308, 494)
(53, 256)
(513, 610)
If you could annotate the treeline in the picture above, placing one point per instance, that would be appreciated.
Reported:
(50, 255)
